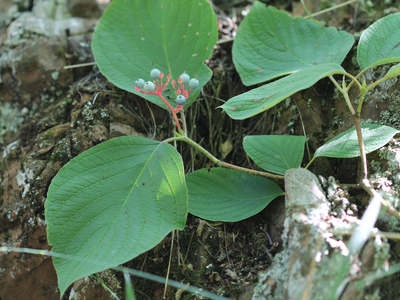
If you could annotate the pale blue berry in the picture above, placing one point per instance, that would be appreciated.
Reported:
(185, 78)
(193, 83)
(155, 73)
(180, 99)
(149, 86)
(139, 83)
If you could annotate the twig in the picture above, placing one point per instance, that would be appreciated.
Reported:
(80, 65)
(169, 264)
(226, 247)
(268, 253)
(331, 8)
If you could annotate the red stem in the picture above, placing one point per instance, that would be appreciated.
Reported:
(173, 110)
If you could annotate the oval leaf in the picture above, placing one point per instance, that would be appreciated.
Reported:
(174, 36)
(260, 99)
(393, 71)
(380, 43)
(275, 153)
(228, 195)
(112, 203)
(345, 145)
(270, 43)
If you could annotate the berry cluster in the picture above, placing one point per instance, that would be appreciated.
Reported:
(157, 86)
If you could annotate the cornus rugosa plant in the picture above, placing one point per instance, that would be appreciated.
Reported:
(158, 86)
(122, 197)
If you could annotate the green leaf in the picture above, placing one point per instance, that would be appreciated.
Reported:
(129, 293)
(260, 99)
(270, 43)
(393, 71)
(275, 153)
(174, 36)
(112, 203)
(228, 195)
(380, 43)
(345, 145)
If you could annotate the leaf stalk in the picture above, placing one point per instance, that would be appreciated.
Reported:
(220, 163)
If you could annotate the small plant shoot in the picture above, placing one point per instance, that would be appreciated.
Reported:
(122, 197)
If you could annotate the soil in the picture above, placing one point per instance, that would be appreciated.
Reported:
(49, 115)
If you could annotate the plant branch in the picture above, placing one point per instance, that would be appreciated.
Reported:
(362, 147)
(366, 186)
(344, 94)
(360, 101)
(356, 115)
(221, 163)
(182, 115)
(378, 82)
(373, 84)
(354, 80)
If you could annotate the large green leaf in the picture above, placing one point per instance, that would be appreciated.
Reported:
(112, 203)
(270, 43)
(345, 145)
(133, 36)
(380, 43)
(221, 194)
(260, 99)
(275, 153)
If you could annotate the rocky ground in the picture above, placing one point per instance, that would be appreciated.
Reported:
(49, 114)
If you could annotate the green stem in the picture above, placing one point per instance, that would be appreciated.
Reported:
(310, 15)
(311, 161)
(372, 85)
(220, 163)
(95, 276)
(378, 82)
(354, 80)
(333, 8)
(356, 115)
(360, 102)
(182, 114)
(362, 147)
(346, 96)
(347, 99)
